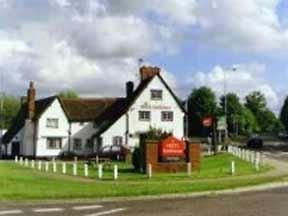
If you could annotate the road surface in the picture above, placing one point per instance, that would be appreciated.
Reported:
(267, 203)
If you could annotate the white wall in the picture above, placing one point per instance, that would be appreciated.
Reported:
(81, 131)
(54, 111)
(144, 103)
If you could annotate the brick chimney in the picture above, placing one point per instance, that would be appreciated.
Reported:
(129, 89)
(148, 72)
(31, 94)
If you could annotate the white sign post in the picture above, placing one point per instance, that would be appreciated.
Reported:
(115, 172)
(21, 161)
(64, 168)
(100, 171)
(39, 165)
(16, 159)
(75, 169)
(54, 167)
(232, 167)
(32, 164)
(26, 162)
(149, 171)
(189, 169)
(47, 166)
(86, 171)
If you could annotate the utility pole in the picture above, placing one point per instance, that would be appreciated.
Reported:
(225, 107)
(2, 115)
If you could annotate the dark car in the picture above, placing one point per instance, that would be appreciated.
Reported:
(113, 152)
(255, 143)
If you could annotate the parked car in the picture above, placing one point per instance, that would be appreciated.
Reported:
(255, 142)
(113, 152)
(283, 136)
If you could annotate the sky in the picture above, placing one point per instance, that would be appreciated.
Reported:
(94, 46)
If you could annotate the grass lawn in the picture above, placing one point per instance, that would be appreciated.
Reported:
(20, 183)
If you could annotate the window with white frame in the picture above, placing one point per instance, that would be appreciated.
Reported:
(54, 143)
(117, 141)
(52, 123)
(77, 144)
(156, 94)
(167, 116)
(144, 115)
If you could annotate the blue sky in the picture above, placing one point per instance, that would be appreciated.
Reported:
(93, 46)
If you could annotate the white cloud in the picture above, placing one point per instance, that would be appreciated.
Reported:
(241, 79)
(247, 25)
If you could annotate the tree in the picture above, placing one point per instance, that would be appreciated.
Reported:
(201, 103)
(256, 102)
(234, 110)
(248, 123)
(11, 106)
(68, 94)
(284, 114)
(266, 119)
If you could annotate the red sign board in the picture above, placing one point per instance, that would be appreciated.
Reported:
(171, 147)
(207, 122)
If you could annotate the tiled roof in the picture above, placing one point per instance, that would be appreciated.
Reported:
(19, 121)
(103, 111)
(87, 109)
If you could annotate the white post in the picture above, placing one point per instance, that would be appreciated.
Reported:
(74, 169)
(149, 171)
(64, 168)
(16, 159)
(243, 154)
(26, 162)
(39, 165)
(32, 164)
(100, 171)
(86, 171)
(47, 166)
(232, 167)
(189, 169)
(115, 172)
(21, 161)
(54, 166)
(257, 167)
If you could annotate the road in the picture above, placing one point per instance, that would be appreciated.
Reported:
(266, 203)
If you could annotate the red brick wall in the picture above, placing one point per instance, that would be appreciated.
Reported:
(151, 157)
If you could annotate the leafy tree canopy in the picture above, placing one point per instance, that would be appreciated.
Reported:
(201, 103)
(11, 106)
(68, 94)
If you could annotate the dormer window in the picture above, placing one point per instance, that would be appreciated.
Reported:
(156, 94)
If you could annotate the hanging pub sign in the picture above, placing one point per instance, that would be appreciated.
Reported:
(171, 149)
(207, 121)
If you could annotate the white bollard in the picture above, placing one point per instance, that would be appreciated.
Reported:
(47, 166)
(16, 159)
(75, 169)
(100, 171)
(189, 169)
(39, 165)
(21, 161)
(26, 162)
(257, 165)
(232, 167)
(54, 167)
(149, 171)
(86, 171)
(32, 164)
(64, 168)
(115, 172)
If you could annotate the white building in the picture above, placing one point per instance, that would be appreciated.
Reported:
(50, 126)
